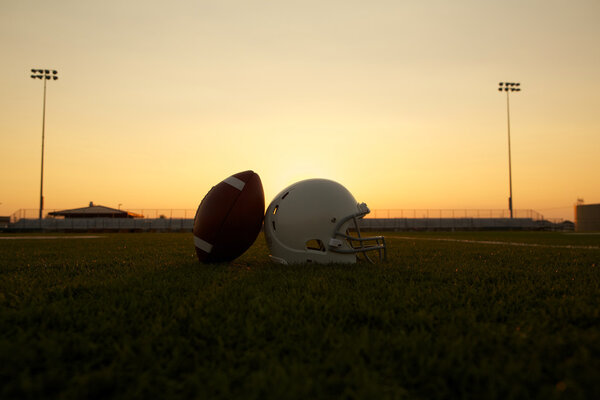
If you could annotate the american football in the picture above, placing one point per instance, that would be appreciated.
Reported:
(229, 218)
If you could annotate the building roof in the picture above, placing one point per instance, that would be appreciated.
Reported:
(95, 211)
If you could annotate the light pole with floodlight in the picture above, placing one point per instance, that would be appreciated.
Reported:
(45, 75)
(509, 87)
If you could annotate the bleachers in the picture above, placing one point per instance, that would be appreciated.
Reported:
(104, 225)
(186, 225)
(386, 224)
(383, 220)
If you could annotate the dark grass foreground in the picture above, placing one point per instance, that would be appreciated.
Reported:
(136, 316)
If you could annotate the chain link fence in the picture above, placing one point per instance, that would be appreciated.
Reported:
(182, 213)
(453, 213)
(146, 213)
(156, 219)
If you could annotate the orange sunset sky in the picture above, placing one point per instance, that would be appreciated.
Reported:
(158, 101)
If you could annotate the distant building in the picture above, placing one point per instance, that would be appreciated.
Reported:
(587, 218)
(94, 211)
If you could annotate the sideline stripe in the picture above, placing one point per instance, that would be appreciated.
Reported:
(235, 182)
(48, 237)
(202, 244)
(557, 246)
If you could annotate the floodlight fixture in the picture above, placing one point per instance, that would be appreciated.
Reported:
(509, 87)
(45, 75)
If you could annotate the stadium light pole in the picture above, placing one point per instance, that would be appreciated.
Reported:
(45, 75)
(509, 87)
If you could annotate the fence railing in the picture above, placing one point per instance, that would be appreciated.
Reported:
(105, 224)
(147, 213)
(180, 213)
(453, 213)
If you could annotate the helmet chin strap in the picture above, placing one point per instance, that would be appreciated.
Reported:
(361, 246)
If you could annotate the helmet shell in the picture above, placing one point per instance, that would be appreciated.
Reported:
(302, 220)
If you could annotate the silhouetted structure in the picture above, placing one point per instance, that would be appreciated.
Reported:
(587, 218)
(94, 211)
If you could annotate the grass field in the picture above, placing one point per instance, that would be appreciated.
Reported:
(449, 315)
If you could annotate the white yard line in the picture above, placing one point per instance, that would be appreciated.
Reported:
(556, 246)
(48, 237)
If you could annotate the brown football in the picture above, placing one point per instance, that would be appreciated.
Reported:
(229, 218)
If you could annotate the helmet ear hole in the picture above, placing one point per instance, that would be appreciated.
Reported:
(315, 244)
(275, 212)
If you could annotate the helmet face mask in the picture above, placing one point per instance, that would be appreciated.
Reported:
(367, 247)
(316, 220)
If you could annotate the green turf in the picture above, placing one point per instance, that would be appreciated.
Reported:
(136, 316)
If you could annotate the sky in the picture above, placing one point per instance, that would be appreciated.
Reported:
(157, 101)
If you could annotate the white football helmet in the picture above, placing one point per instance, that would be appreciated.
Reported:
(310, 221)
